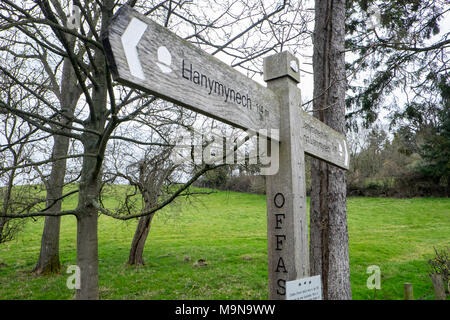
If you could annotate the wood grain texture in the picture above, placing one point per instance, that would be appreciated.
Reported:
(202, 83)
(324, 143)
(409, 291)
(287, 224)
(252, 106)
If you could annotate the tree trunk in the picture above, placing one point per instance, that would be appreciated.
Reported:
(140, 236)
(329, 255)
(87, 220)
(151, 179)
(48, 261)
(87, 216)
(448, 186)
(87, 255)
(2, 224)
(6, 198)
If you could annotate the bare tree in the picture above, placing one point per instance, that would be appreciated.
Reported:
(147, 168)
(153, 173)
(149, 179)
(68, 94)
(13, 155)
(63, 97)
(18, 141)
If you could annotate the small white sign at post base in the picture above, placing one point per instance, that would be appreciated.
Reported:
(304, 289)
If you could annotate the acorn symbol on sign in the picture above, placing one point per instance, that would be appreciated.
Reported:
(294, 65)
(164, 59)
(341, 151)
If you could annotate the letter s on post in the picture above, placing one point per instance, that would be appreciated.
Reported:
(281, 285)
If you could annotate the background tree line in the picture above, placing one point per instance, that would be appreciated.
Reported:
(410, 162)
(397, 64)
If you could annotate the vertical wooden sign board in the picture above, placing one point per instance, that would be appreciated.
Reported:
(300, 134)
(147, 56)
(287, 227)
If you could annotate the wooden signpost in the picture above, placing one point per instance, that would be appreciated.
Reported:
(147, 56)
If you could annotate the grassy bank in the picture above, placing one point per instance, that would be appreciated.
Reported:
(228, 230)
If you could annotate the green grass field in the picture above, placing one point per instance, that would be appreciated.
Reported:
(228, 230)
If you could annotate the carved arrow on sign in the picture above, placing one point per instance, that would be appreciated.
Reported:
(130, 40)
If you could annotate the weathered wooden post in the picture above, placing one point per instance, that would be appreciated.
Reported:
(287, 226)
(409, 294)
(147, 56)
(438, 285)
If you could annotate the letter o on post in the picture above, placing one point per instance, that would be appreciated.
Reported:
(279, 200)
